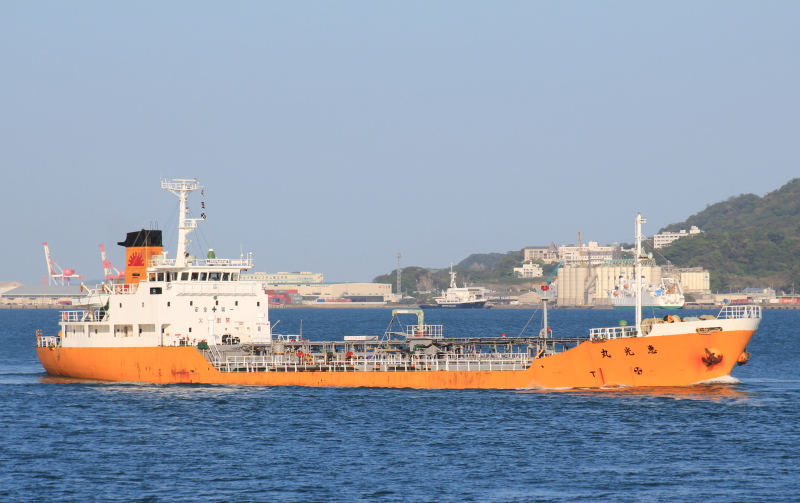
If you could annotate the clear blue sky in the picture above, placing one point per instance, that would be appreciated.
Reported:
(331, 135)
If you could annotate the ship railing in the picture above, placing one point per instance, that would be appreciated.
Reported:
(612, 333)
(390, 363)
(76, 316)
(45, 341)
(424, 331)
(739, 312)
(202, 262)
(107, 288)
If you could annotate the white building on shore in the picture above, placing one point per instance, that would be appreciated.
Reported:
(529, 270)
(665, 238)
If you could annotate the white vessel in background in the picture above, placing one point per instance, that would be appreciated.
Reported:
(466, 297)
(668, 294)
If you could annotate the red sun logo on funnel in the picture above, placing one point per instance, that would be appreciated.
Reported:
(136, 260)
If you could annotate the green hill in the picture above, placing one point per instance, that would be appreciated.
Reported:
(748, 241)
(478, 268)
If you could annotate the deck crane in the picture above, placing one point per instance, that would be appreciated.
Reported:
(109, 270)
(56, 275)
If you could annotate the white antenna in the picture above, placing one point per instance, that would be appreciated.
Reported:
(182, 188)
(638, 271)
(398, 275)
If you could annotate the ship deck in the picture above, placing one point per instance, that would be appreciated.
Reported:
(448, 354)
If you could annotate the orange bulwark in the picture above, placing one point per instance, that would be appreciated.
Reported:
(674, 360)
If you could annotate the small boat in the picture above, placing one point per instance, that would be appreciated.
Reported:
(192, 320)
(455, 297)
(667, 294)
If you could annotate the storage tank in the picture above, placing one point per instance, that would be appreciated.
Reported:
(580, 285)
(563, 285)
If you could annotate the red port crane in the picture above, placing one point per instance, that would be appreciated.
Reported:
(56, 275)
(109, 270)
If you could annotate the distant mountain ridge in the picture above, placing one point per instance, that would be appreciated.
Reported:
(748, 210)
(748, 240)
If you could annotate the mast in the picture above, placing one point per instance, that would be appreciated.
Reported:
(543, 331)
(182, 188)
(638, 271)
(398, 276)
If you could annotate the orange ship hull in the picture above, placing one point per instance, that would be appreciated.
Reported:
(674, 360)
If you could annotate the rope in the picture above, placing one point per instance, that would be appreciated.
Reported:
(529, 321)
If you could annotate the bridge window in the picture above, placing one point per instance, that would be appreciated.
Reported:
(184, 276)
(214, 276)
(203, 276)
(226, 276)
(160, 276)
(194, 276)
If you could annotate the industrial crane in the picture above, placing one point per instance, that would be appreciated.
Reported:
(56, 275)
(109, 270)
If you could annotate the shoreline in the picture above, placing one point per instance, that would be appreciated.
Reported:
(370, 305)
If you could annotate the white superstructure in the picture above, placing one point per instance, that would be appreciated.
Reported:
(667, 294)
(466, 297)
(179, 301)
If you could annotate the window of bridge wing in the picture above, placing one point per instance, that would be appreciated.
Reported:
(195, 275)
(214, 276)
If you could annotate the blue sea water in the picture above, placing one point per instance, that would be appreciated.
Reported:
(76, 441)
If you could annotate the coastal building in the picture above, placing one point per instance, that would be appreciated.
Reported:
(40, 295)
(8, 285)
(547, 254)
(311, 292)
(529, 270)
(665, 238)
(589, 286)
(695, 280)
(588, 254)
(279, 278)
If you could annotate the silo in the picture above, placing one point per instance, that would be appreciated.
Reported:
(563, 286)
(655, 274)
(580, 285)
(568, 286)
